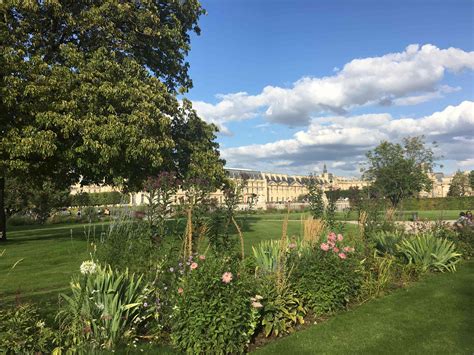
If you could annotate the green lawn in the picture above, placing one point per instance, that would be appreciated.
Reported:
(352, 216)
(434, 316)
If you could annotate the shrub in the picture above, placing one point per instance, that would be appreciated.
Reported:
(22, 220)
(105, 309)
(99, 198)
(214, 313)
(465, 241)
(23, 332)
(327, 278)
(429, 252)
(438, 203)
(127, 245)
(379, 274)
(281, 309)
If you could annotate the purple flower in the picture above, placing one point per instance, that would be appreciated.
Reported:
(145, 304)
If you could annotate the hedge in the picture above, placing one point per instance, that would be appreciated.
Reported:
(99, 199)
(439, 203)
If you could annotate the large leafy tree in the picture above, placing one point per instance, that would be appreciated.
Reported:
(88, 92)
(398, 171)
(459, 185)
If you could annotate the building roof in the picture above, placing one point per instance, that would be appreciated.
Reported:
(244, 173)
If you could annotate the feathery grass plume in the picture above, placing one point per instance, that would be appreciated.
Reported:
(188, 238)
(389, 214)
(362, 221)
(202, 233)
(312, 230)
(281, 270)
(240, 236)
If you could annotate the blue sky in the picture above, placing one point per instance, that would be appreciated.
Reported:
(247, 46)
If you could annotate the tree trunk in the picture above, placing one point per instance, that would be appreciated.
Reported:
(3, 217)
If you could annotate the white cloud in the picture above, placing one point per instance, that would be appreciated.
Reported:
(466, 163)
(345, 140)
(406, 78)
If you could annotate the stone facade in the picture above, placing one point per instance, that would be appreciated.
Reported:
(264, 188)
(441, 185)
(276, 189)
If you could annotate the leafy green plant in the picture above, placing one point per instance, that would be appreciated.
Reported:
(267, 255)
(465, 241)
(127, 245)
(386, 241)
(379, 274)
(22, 331)
(429, 252)
(281, 308)
(328, 277)
(213, 313)
(106, 308)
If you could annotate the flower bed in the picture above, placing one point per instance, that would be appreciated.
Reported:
(208, 301)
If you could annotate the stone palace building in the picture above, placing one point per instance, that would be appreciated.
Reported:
(274, 189)
(265, 189)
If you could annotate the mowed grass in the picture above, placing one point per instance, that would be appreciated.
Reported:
(353, 216)
(434, 316)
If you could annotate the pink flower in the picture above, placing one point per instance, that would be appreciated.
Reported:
(202, 257)
(180, 290)
(227, 277)
(332, 237)
(331, 244)
(342, 255)
(348, 249)
(194, 266)
(292, 245)
(324, 246)
(340, 237)
(256, 304)
(336, 250)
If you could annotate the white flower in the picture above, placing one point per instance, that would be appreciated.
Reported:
(100, 306)
(40, 324)
(88, 267)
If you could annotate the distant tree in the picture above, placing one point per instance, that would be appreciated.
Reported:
(88, 94)
(330, 211)
(355, 196)
(459, 185)
(40, 200)
(471, 179)
(398, 171)
(16, 197)
(315, 197)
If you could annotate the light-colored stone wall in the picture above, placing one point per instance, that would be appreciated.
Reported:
(273, 188)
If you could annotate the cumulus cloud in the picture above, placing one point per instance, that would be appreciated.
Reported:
(466, 163)
(345, 140)
(405, 78)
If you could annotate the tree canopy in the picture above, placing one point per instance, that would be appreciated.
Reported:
(88, 93)
(398, 171)
(460, 185)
